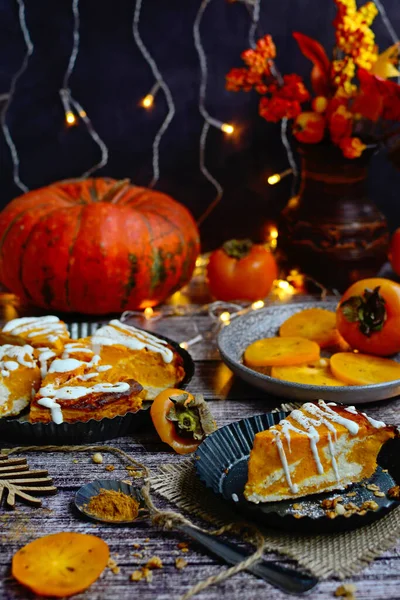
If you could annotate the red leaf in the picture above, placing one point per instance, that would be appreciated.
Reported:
(316, 53)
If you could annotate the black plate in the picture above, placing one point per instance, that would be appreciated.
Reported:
(20, 430)
(222, 465)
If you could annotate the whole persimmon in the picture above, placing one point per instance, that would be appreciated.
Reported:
(368, 316)
(394, 251)
(241, 270)
(309, 127)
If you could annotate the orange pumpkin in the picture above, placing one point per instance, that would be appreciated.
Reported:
(96, 246)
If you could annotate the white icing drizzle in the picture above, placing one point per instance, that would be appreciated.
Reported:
(21, 354)
(45, 355)
(75, 392)
(101, 368)
(374, 422)
(87, 376)
(323, 410)
(75, 347)
(312, 435)
(118, 333)
(11, 365)
(55, 409)
(5, 373)
(293, 486)
(50, 327)
(64, 365)
(351, 409)
(334, 463)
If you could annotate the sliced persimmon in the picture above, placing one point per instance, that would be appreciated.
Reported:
(313, 373)
(270, 352)
(62, 564)
(363, 369)
(315, 324)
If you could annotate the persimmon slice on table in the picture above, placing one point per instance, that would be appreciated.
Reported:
(315, 324)
(363, 369)
(275, 351)
(314, 373)
(60, 565)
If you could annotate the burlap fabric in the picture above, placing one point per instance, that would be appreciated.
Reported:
(335, 555)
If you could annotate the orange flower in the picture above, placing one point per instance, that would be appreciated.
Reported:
(352, 147)
(276, 108)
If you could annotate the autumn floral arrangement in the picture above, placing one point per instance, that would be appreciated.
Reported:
(354, 104)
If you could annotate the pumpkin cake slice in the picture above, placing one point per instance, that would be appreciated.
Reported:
(151, 361)
(77, 390)
(317, 448)
(39, 332)
(19, 378)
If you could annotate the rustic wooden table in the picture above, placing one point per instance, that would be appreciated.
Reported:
(230, 400)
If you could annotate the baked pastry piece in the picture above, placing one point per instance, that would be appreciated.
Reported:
(39, 332)
(77, 390)
(153, 362)
(19, 378)
(317, 448)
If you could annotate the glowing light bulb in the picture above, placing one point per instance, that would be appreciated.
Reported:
(227, 128)
(257, 304)
(148, 101)
(70, 118)
(283, 284)
(274, 233)
(273, 179)
(148, 313)
(225, 317)
(276, 177)
(82, 113)
(184, 345)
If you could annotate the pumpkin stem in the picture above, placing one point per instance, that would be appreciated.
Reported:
(368, 310)
(116, 191)
(237, 248)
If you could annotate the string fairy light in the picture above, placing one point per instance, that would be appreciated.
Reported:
(388, 24)
(209, 121)
(277, 177)
(255, 18)
(161, 83)
(72, 108)
(289, 154)
(10, 96)
(148, 100)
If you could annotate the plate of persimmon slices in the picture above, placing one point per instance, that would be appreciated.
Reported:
(345, 351)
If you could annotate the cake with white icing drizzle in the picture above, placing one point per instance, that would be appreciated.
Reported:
(317, 448)
(19, 376)
(46, 331)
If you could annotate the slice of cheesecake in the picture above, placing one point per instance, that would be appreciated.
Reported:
(317, 448)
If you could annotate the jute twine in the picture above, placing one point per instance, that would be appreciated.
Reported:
(169, 519)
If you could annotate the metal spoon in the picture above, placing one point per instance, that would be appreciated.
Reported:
(286, 579)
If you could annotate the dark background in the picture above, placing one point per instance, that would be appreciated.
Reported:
(111, 77)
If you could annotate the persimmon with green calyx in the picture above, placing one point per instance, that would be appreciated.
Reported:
(368, 316)
(181, 420)
(241, 270)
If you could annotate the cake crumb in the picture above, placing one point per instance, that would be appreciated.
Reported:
(97, 458)
(379, 494)
(155, 562)
(370, 505)
(136, 546)
(138, 554)
(347, 590)
(340, 509)
(183, 546)
(110, 468)
(147, 574)
(136, 576)
(351, 494)
(112, 565)
(372, 487)
(180, 563)
(297, 506)
(147, 540)
(394, 492)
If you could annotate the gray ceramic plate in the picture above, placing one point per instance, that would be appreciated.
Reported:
(234, 339)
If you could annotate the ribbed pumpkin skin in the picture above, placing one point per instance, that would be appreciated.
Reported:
(96, 246)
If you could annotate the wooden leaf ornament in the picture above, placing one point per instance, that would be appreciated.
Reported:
(16, 480)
